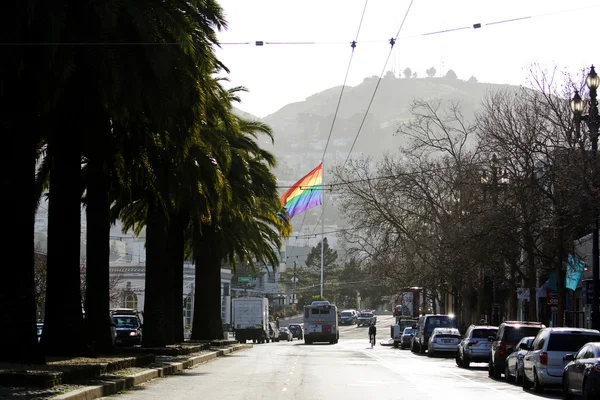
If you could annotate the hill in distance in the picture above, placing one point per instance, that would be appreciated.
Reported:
(301, 129)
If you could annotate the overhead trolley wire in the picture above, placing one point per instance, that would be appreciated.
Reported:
(353, 46)
(473, 26)
(392, 42)
(260, 43)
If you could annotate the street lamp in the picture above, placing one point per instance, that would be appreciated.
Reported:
(577, 106)
(493, 181)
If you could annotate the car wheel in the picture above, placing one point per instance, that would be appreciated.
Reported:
(518, 377)
(587, 395)
(537, 387)
(526, 383)
(458, 361)
(507, 375)
(566, 395)
(490, 369)
(465, 363)
(430, 352)
(496, 373)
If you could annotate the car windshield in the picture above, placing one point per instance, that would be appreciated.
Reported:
(570, 342)
(442, 321)
(408, 331)
(483, 333)
(346, 314)
(126, 322)
(366, 315)
(516, 333)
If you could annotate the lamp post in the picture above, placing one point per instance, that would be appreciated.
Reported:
(591, 119)
(494, 166)
(494, 182)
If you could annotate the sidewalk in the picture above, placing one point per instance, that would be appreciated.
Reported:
(84, 378)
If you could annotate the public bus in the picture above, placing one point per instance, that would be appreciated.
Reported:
(321, 323)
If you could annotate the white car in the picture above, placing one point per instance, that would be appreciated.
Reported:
(443, 340)
(544, 362)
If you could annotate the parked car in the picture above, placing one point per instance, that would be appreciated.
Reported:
(514, 362)
(128, 327)
(475, 346)
(348, 317)
(285, 334)
(443, 340)
(365, 318)
(509, 334)
(425, 326)
(296, 330)
(581, 375)
(40, 327)
(544, 363)
(406, 338)
(273, 332)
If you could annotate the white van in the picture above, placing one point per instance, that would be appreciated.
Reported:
(544, 363)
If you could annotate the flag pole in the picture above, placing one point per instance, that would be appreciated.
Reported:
(322, 225)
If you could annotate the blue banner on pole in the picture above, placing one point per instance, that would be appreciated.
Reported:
(574, 271)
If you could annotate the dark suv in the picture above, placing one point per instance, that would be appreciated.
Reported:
(508, 335)
(128, 327)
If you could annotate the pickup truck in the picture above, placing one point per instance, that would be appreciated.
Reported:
(366, 318)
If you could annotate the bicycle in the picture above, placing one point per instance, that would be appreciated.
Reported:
(372, 340)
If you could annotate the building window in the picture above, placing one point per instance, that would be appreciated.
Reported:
(131, 301)
(188, 310)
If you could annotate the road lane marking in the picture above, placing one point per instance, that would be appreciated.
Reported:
(417, 378)
(284, 389)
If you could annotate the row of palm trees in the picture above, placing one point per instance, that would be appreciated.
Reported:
(117, 105)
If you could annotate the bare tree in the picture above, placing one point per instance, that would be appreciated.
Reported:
(405, 216)
(532, 133)
(115, 285)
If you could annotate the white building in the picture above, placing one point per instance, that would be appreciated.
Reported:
(129, 284)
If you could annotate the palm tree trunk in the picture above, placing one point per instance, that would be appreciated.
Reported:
(16, 282)
(174, 268)
(155, 299)
(97, 298)
(63, 333)
(207, 324)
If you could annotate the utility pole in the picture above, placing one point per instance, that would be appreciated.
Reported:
(294, 286)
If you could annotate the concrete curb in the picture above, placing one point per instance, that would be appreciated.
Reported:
(108, 388)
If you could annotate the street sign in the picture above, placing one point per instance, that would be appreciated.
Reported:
(588, 291)
(523, 294)
(554, 309)
(295, 279)
(245, 279)
(553, 301)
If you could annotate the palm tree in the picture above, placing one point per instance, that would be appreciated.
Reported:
(161, 95)
(21, 126)
(247, 230)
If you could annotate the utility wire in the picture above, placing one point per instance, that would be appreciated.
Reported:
(392, 43)
(353, 46)
(260, 43)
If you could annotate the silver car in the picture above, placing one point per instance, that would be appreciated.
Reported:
(475, 345)
(544, 363)
(443, 340)
(514, 362)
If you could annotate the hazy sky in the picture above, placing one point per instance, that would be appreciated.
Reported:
(558, 33)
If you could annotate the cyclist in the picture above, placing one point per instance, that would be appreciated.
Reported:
(372, 333)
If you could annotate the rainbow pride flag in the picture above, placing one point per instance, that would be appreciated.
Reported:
(304, 194)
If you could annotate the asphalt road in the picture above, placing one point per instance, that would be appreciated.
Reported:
(347, 370)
